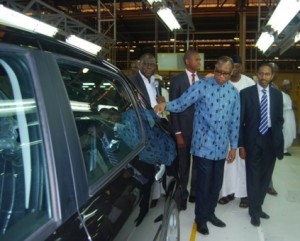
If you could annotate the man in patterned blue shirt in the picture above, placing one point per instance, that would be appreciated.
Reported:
(215, 127)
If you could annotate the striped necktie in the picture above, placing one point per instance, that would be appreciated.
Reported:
(263, 126)
(193, 78)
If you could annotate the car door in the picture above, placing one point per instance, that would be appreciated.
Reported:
(72, 138)
(120, 143)
(111, 135)
(37, 187)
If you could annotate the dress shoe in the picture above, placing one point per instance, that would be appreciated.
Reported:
(192, 199)
(141, 216)
(287, 154)
(202, 228)
(255, 221)
(216, 222)
(272, 191)
(264, 215)
(226, 199)
(244, 202)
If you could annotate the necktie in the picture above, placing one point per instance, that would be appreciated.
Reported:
(193, 78)
(263, 126)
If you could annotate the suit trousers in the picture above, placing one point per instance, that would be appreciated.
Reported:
(184, 164)
(209, 183)
(260, 162)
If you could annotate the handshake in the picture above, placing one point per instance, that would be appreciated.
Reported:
(160, 108)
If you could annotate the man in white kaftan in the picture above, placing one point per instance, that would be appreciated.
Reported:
(234, 180)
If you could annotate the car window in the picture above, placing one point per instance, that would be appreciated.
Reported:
(108, 125)
(24, 192)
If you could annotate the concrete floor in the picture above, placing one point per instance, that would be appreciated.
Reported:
(284, 210)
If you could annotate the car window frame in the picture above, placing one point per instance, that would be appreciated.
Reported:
(111, 74)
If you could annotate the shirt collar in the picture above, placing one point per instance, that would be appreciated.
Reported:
(189, 73)
(146, 79)
(260, 88)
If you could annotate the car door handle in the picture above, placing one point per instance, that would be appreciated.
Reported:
(86, 217)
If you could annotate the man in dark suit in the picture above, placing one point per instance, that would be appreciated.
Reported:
(144, 81)
(260, 138)
(183, 123)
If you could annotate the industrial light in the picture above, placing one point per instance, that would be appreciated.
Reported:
(168, 18)
(285, 11)
(80, 106)
(265, 40)
(12, 18)
(83, 44)
(297, 37)
(152, 1)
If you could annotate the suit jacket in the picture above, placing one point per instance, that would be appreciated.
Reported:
(138, 82)
(250, 118)
(182, 121)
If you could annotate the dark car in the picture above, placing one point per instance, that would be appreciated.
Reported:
(78, 151)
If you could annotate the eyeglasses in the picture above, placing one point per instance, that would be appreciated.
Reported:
(224, 74)
(152, 65)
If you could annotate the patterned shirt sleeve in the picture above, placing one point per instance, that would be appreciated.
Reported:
(189, 97)
(234, 124)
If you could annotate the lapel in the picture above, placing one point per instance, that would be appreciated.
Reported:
(186, 82)
(142, 87)
(272, 97)
(256, 99)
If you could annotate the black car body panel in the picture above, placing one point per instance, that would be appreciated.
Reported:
(70, 171)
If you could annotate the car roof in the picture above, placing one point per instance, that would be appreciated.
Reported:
(54, 45)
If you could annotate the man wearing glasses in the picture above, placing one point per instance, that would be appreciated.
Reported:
(215, 127)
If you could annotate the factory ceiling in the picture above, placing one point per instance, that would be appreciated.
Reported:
(132, 27)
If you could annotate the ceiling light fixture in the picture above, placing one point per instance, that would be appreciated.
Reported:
(83, 44)
(265, 40)
(168, 18)
(14, 19)
(285, 11)
(297, 37)
(152, 1)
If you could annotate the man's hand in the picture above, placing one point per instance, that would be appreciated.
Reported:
(180, 141)
(242, 153)
(160, 99)
(231, 156)
(160, 108)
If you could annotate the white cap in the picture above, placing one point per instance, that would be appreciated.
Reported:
(286, 82)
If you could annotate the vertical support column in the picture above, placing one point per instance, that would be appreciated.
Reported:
(111, 21)
(242, 49)
(128, 56)
(175, 40)
(156, 36)
(114, 54)
(99, 16)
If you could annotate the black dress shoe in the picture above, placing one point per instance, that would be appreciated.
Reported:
(264, 215)
(141, 216)
(255, 221)
(202, 228)
(192, 199)
(287, 154)
(216, 222)
(272, 191)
